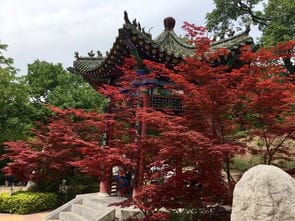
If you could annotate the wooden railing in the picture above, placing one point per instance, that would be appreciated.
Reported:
(114, 188)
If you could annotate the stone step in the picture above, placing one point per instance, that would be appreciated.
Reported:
(70, 216)
(86, 212)
(96, 203)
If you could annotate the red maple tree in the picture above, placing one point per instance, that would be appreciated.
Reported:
(168, 151)
(70, 138)
(266, 99)
(176, 158)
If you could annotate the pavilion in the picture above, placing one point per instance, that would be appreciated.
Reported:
(168, 48)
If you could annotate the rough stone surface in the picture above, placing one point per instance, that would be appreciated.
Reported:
(264, 193)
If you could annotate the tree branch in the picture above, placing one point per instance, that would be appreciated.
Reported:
(254, 17)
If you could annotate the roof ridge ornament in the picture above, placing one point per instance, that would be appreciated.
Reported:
(91, 54)
(99, 55)
(134, 22)
(169, 23)
(127, 21)
(136, 25)
(76, 54)
(248, 28)
(139, 26)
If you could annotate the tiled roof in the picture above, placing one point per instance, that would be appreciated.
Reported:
(174, 44)
(167, 48)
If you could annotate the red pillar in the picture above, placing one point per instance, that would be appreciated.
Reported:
(104, 186)
(140, 170)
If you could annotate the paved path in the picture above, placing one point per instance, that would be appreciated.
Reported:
(14, 188)
(30, 217)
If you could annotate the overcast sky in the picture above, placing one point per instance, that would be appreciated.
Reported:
(52, 30)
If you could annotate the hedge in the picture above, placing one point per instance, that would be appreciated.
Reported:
(27, 202)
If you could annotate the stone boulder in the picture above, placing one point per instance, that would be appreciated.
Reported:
(264, 193)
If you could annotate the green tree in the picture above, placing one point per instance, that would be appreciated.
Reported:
(280, 26)
(276, 20)
(52, 84)
(231, 13)
(16, 111)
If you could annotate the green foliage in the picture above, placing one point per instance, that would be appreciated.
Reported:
(79, 184)
(286, 164)
(276, 20)
(5, 62)
(281, 24)
(228, 12)
(214, 212)
(243, 163)
(74, 184)
(185, 214)
(241, 134)
(27, 202)
(17, 114)
(52, 84)
(16, 111)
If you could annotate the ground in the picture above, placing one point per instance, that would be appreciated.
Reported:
(29, 217)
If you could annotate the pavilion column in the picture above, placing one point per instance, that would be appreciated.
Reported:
(140, 170)
(143, 93)
(104, 185)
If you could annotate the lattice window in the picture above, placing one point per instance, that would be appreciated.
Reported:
(170, 102)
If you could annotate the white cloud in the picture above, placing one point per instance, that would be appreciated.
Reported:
(52, 30)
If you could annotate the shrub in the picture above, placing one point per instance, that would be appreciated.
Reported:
(285, 164)
(214, 212)
(243, 163)
(76, 183)
(185, 214)
(241, 134)
(80, 184)
(27, 202)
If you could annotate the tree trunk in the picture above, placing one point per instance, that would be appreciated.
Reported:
(227, 170)
(139, 176)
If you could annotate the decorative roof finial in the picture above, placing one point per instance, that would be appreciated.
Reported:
(221, 35)
(76, 54)
(99, 55)
(139, 26)
(169, 23)
(91, 54)
(127, 21)
(134, 22)
(248, 28)
(231, 33)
